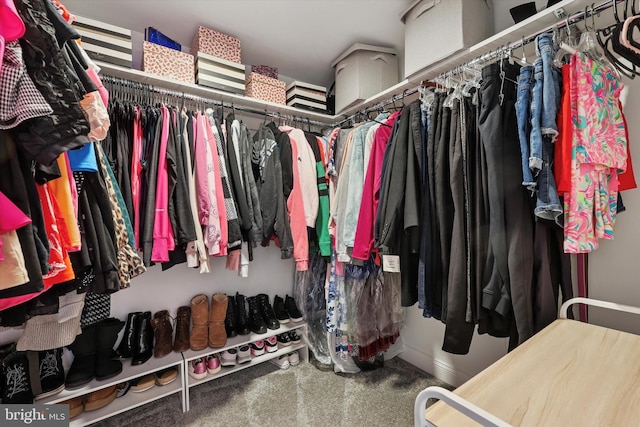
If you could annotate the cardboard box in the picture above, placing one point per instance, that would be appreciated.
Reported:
(266, 89)
(218, 73)
(307, 96)
(105, 42)
(217, 44)
(166, 62)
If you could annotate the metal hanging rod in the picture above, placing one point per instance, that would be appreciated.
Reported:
(492, 55)
(178, 95)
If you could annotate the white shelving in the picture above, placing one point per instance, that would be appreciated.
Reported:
(129, 372)
(208, 93)
(129, 401)
(241, 340)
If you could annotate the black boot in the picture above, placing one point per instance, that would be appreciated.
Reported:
(231, 320)
(83, 368)
(242, 316)
(143, 343)
(51, 379)
(256, 322)
(292, 309)
(107, 335)
(15, 385)
(125, 348)
(267, 312)
(280, 310)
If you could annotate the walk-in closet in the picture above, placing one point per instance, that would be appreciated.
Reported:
(313, 213)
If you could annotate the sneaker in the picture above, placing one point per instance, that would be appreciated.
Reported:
(284, 340)
(257, 348)
(271, 344)
(292, 309)
(213, 364)
(197, 369)
(294, 358)
(166, 376)
(51, 373)
(244, 354)
(229, 357)
(121, 389)
(294, 337)
(141, 384)
(281, 362)
(16, 383)
(280, 310)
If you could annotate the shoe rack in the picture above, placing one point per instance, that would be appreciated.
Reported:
(183, 382)
(237, 341)
(130, 400)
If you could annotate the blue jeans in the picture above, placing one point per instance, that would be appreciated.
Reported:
(548, 204)
(523, 104)
(550, 87)
(535, 140)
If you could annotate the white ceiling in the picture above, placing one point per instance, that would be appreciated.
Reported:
(300, 37)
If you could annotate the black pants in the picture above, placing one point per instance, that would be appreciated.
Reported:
(510, 209)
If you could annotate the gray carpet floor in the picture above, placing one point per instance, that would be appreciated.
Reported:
(304, 395)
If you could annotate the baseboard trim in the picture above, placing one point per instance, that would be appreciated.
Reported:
(438, 368)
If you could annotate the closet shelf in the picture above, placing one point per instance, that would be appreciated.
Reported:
(226, 370)
(239, 340)
(526, 28)
(208, 93)
(128, 373)
(128, 401)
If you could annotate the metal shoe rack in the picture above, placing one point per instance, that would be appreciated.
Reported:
(183, 382)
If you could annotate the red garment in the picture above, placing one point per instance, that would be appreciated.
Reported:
(363, 242)
(65, 212)
(136, 172)
(563, 144)
(626, 180)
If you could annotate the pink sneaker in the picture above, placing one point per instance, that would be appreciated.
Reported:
(197, 369)
(271, 344)
(213, 364)
(257, 348)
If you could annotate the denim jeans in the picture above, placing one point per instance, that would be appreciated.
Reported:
(550, 87)
(523, 105)
(548, 205)
(535, 141)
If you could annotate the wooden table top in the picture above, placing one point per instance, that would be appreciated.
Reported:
(569, 374)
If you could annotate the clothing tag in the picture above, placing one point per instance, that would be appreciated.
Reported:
(391, 263)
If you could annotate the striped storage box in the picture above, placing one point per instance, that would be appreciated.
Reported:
(219, 73)
(105, 42)
(307, 96)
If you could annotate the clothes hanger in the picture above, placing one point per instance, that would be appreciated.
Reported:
(624, 61)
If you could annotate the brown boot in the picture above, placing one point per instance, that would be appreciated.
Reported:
(217, 314)
(181, 342)
(163, 333)
(199, 319)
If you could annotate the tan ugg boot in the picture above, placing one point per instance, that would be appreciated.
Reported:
(199, 319)
(217, 314)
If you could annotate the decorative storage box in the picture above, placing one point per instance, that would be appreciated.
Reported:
(266, 88)
(219, 73)
(217, 44)
(363, 70)
(436, 29)
(307, 96)
(265, 70)
(105, 42)
(167, 62)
